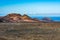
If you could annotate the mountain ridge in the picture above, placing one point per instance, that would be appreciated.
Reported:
(14, 17)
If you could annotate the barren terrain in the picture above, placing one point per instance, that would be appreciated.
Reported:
(29, 31)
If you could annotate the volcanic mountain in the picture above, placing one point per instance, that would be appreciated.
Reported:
(13, 17)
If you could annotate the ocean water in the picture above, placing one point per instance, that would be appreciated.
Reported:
(52, 18)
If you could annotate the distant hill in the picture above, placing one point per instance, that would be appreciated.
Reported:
(46, 19)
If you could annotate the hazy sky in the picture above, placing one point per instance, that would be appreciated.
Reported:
(30, 7)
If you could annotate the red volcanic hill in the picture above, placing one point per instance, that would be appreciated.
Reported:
(13, 17)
